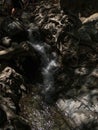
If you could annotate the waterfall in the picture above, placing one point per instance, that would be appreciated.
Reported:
(48, 61)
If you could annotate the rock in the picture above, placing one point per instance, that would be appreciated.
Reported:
(72, 5)
(54, 23)
(3, 117)
(6, 41)
(13, 28)
(79, 6)
(92, 18)
(9, 88)
(20, 124)
(89, 30)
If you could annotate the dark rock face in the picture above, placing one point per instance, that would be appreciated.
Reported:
(3, 117)
(76, 6)
(20, 124)
(14, 29)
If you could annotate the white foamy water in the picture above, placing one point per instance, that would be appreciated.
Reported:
(48, 61)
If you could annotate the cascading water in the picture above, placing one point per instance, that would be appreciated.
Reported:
(48, 61)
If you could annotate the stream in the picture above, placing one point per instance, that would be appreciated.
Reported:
(49, 63)
(75, 74)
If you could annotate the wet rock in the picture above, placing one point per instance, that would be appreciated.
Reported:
(6, 41)
(3, 117)
(10, 83)
(77, 6)
(11, 89)
(89, 30)
(20, 124)
(43, 116)
(72, 5)
(54, 23)
(30, 68)
(91, 19)
(13, 28)
(80, 103)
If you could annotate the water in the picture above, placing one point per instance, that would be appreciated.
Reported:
(48, 60)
